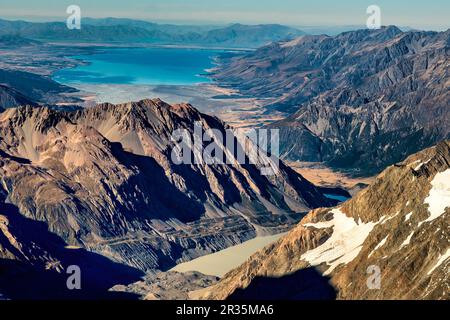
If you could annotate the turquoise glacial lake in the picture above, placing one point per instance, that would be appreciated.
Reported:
(154, 66)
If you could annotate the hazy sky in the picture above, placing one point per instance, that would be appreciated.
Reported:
(428, 14)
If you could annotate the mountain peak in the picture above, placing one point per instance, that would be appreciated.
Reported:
(389, 32)
(391, 29)
(103, 178)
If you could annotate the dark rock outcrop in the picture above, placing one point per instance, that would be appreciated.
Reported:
(11, 98)
(167, 285)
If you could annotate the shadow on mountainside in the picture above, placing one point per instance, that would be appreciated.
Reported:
(28, 278)
(166, 200)
(3, 154)
(305, 284)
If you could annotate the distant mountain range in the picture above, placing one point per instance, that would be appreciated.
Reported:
(358, 101)
(129, 31)
(102, 179)
(389, 242)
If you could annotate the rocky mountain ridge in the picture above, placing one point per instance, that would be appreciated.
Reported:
(358, 101)
(102, 179)
(398, 227)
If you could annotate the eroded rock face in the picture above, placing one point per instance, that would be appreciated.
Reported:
(399, 226)
(102, 179)
(361, 100)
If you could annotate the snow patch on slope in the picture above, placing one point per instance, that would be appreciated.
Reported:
(407, 240)
(441, 259)
(408, 216)
(344, 244)
(439, 196)
(382, 242)
(421, 164)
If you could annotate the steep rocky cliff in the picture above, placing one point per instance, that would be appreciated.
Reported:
(361, 100)
(102, 179)
(399, 226)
